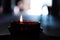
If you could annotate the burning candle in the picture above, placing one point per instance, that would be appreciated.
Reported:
(26, 28)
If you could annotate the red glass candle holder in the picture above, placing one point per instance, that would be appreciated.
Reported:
(28, 29)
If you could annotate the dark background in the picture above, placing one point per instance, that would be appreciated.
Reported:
(6, 4)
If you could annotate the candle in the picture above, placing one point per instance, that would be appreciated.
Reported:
(25, 29)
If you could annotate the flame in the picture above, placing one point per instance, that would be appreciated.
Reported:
(21, 19)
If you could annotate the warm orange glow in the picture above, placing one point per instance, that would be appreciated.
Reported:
(21, 19)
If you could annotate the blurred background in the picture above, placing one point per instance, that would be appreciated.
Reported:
(47, 12)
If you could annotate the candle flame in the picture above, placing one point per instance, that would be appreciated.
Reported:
(21, 19)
